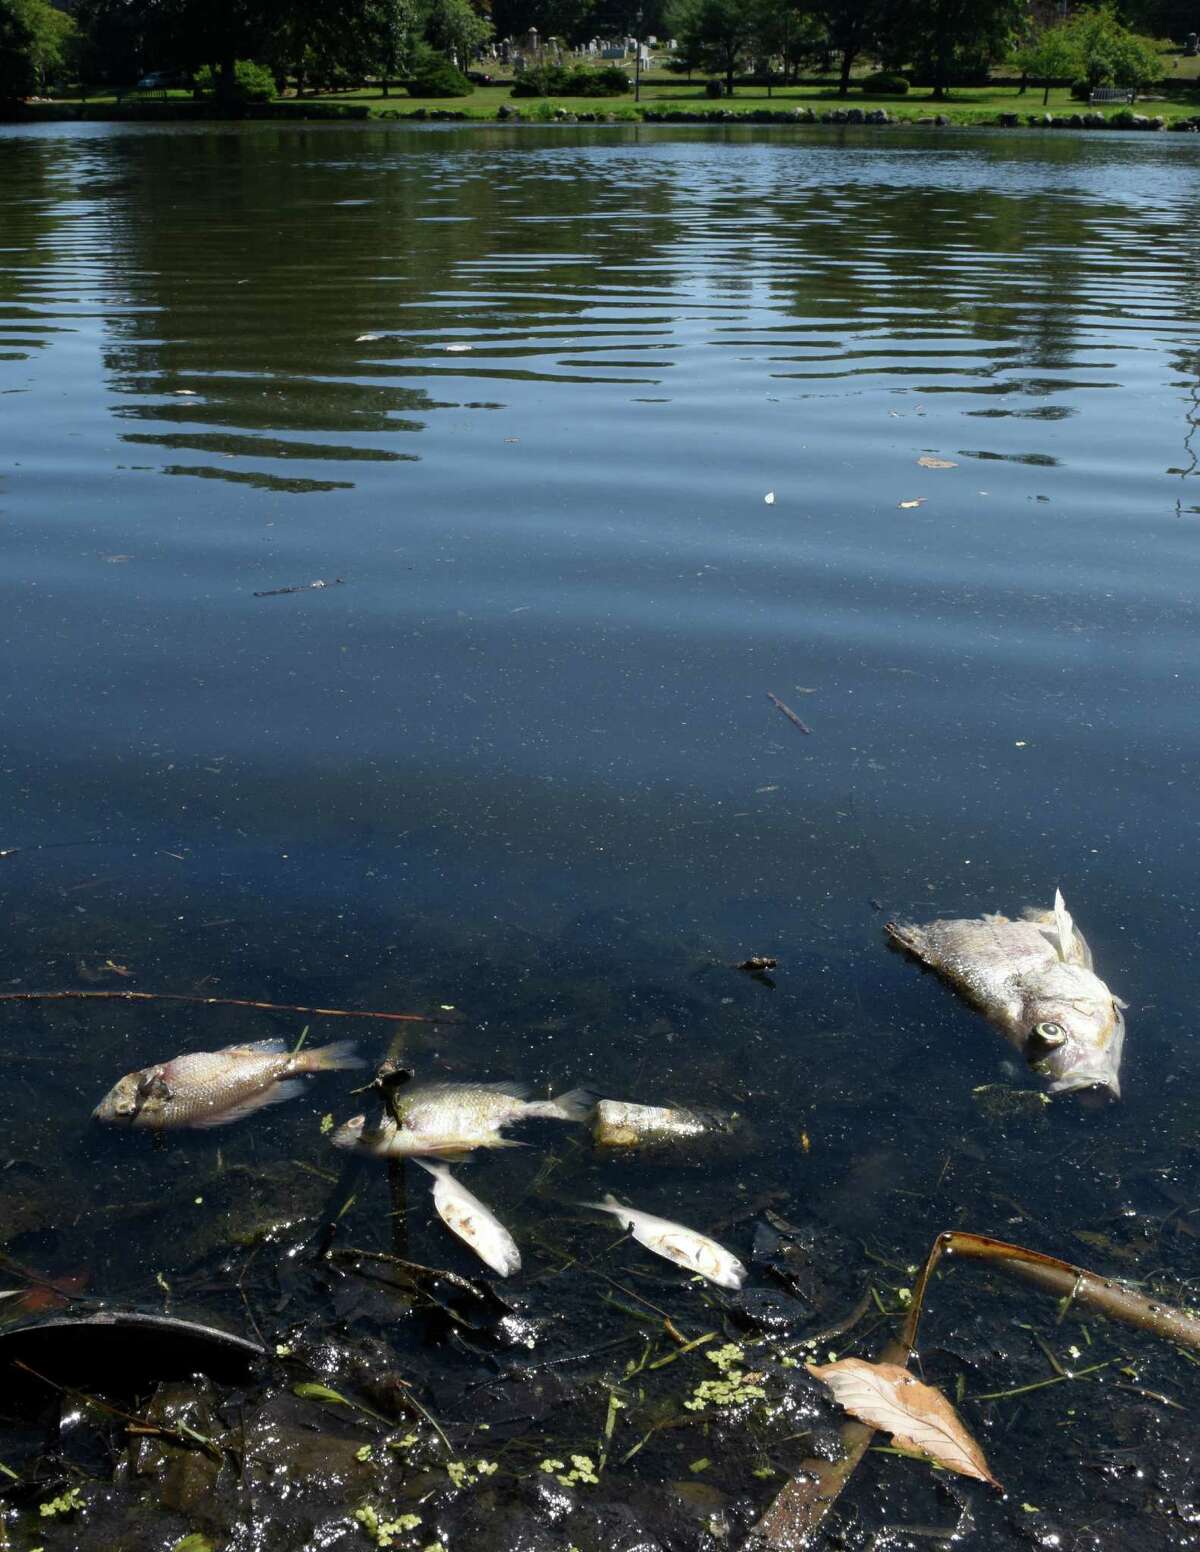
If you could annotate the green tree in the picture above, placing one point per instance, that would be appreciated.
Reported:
(717, 34)
(1163, 18)
(393, 32)
(35, 41)
(781, 35)
(1111, 54)
(952, 40)
(852, 28)
(128, 37)
(456, 29)
(1049, 55)
(18, 74)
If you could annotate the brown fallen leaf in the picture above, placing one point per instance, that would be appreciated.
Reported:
(917, 1416)
(907, 505)
(926, 462)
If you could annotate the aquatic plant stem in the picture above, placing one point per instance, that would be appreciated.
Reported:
(180, 1433)
(392, 1075)
(1055, 1379)
(1075, 1283)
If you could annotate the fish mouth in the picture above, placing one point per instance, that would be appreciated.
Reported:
(1093, 1089)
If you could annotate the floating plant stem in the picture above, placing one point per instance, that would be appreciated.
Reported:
(1055, 1379)
(226, 1002)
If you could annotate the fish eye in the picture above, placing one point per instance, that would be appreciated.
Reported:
(1050, 1034)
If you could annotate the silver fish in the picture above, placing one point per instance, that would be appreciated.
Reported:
(620, 1124)
(213, 1088)
(447, 1120)
(686, 1247)
(475, 1224)
(1033, 979)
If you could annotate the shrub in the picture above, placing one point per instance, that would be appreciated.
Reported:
(433, 75)
(612, 79)
(540, 81)
(559, 81)
(714, 87)
(251, 82)
(884, 84)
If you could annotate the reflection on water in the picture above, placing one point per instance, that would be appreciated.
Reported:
(534, 387)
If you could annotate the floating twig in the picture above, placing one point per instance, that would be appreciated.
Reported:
(788, 713)
(416, 1271)
(227, 1002)
(304, 587)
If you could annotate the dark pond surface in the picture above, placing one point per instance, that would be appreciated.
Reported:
(518, 758)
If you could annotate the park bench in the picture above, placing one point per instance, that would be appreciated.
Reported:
(1105, 96)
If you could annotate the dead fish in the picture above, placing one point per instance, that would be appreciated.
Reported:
(686, 1247)
(1034, 980)
(447, 1120)
(475, 1224)
(619, 1124)
(213, 1088)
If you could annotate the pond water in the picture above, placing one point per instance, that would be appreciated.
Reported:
(597, 437)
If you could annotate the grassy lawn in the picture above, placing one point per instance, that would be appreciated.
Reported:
(967, 105)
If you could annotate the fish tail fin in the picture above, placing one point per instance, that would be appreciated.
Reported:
(338, 1056)
(439, 1171)
(576, 1105)
(609, 1204)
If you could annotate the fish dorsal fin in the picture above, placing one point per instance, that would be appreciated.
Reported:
(1064, 927)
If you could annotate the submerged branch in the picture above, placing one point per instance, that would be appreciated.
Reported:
(181, 1433)
(1073, 1283)
(799, 1508)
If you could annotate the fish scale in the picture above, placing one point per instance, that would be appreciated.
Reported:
(213, 1088)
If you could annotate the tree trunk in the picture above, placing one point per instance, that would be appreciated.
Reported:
(226, 78)
(848, 54)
